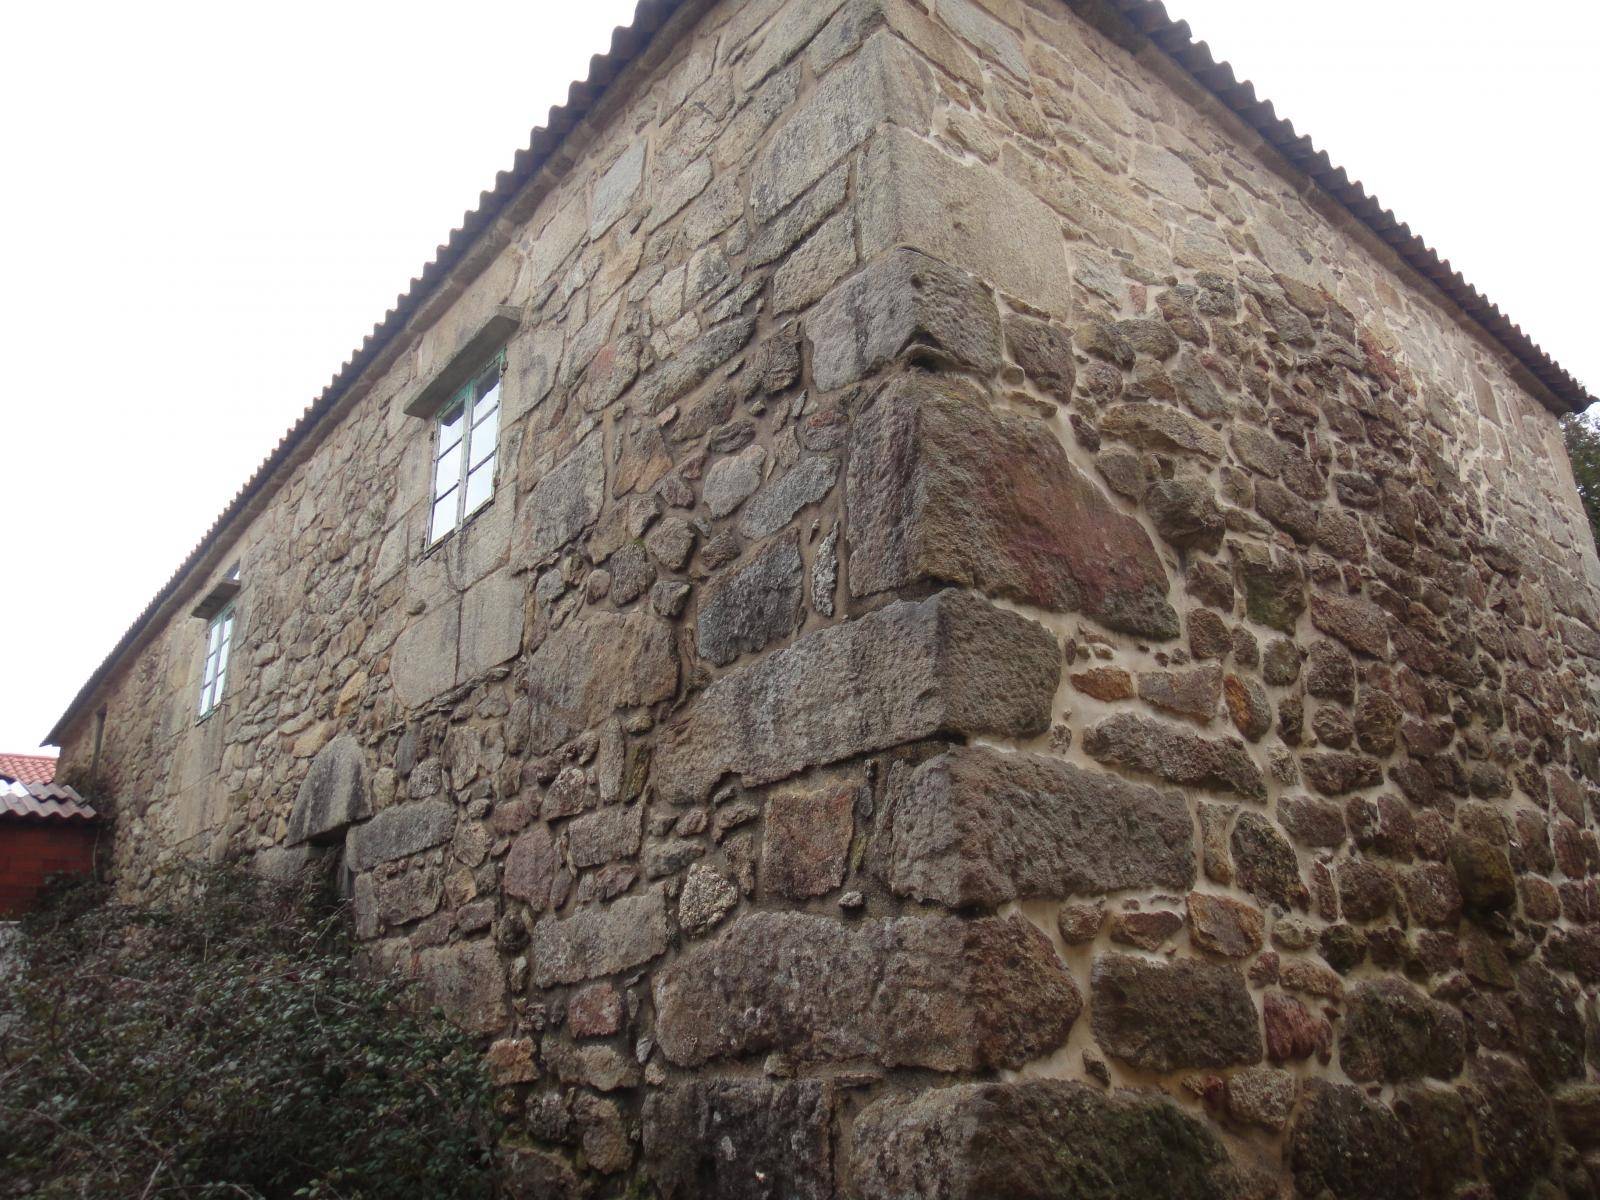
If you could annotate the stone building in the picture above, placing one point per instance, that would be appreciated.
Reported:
(925, 601)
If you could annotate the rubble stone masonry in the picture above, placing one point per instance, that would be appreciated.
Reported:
(1016, 652)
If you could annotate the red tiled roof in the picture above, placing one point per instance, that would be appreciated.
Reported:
(628, 43)
(43, 802)
(28, 768)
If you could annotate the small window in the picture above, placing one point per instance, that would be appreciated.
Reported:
(219, 638)
(468, 431)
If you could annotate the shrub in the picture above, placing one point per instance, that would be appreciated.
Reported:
(1582, 435)
(223, 1044)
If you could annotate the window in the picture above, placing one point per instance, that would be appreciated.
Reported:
(463, 464)
(219, 636)
(216, 609)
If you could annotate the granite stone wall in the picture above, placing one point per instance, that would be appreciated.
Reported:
(1014, 653)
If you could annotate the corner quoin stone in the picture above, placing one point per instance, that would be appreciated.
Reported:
(952, 664)
(940, 992)
(900, 302)
(944, 488)
(980, 827)
(884, 83)
(913, 194)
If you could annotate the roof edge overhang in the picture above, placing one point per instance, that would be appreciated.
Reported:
(629, 44)
(1146, 19)
(1134, 23)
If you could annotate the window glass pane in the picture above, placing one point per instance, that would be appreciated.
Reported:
(227, 627)
(448, 472)
(205, 699)
(222, 677)
(210, 672)
(444, 515)
(450, 427)
(483, 437)
(490, 397)
(222, 660)
(480, 485)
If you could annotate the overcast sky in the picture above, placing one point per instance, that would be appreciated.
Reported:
(206, 206)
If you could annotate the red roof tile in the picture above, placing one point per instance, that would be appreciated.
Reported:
(42, 802)
(28, 768)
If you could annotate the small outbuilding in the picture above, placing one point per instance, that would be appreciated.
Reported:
(46, 830)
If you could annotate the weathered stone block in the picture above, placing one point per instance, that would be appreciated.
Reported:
(615, 190)
(534, 872)
(1266, 863)
(1440, 1129)
(1222, 925)
(805, 848)
(1162, 1016)
(980, 827)
(1516, 1125)
(740, 1139)
(1044, 352)
(467, 980)
(400, 831)
(808, 481)
(594, 665)
(912, 194)
(1034, 1139)
(562, 504)
(1392, 1033)
(899, 302)
(941, 993)
(1342, 1144)
(951, 664)
(754, 606)
(598, 940)
(1175, 755)
(1161, 428)
(491, 625)
(687, 369)
(1273, 585)
(943, 488)
(422, 664)
(1358, 623)
(884, 83)
(333, 796)
(605, 836)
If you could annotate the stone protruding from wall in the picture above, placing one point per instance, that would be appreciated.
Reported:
(1009, 655)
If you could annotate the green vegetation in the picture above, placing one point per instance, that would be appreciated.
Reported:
(222, 1044)
(1582, 433)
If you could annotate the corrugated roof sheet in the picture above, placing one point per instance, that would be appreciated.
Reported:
(28, 768)
(628, 42)
(43, 802)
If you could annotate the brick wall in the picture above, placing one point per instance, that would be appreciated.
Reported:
(33, 852)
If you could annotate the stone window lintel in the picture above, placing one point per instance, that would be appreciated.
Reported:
(469, 357)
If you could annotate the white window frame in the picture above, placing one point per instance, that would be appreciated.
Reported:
(214, 671)
(466, 451)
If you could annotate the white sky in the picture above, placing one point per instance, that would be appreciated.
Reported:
(206, 206)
